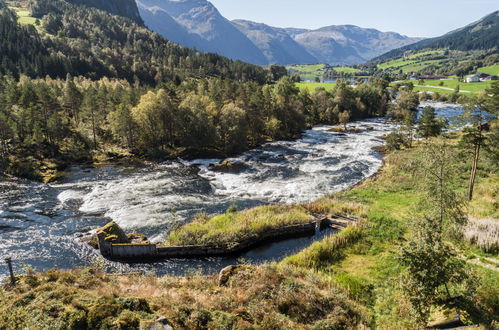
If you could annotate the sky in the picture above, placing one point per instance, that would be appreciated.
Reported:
(415, 18)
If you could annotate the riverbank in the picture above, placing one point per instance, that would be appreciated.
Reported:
(344, 280)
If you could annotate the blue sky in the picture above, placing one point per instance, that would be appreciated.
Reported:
(416, 18)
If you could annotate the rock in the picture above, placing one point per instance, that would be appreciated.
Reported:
(92, 240)
(137, 238)
(160, 324)
(226, 273)
(228, 167)
(113, 233)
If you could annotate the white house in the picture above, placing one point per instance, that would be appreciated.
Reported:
(473, 78)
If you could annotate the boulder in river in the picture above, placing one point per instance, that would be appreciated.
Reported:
(227, 166)
(114, 234)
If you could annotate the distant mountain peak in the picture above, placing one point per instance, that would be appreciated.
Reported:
(206, 29)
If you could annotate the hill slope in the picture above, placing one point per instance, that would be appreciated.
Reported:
(214, 33)
(275, 43)
(480, 35)
(125, 8)
(86, 41)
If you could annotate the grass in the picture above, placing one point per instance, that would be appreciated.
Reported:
(312, 86)
(308, 71)
(24, 16)
(264, 297)
(232, 227)
(447, 86)
(413, 63)
(363, 260)
(492, 70)
(346, 69)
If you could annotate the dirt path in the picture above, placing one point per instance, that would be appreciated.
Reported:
(440, 87)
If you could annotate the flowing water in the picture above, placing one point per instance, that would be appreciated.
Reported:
(41, 225)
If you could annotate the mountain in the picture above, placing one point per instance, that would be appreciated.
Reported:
(198, 24)
(480, 35)
(275, 43)
(159, 21)
(85, 41)
(125, 8)
(348, 44)
(204, 28)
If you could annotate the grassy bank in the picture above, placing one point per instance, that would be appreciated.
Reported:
(232, 227)
(364, 260)
(265, 297)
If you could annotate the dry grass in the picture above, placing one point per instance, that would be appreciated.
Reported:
(267, 297)
(483, 233)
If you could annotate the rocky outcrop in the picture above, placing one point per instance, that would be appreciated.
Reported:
(160, 324)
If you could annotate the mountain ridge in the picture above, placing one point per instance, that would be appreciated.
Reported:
(258, 43)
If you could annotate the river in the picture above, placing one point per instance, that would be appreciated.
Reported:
(41, 224)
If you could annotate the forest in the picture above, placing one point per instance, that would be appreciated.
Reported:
(74, 119)
(88, 42)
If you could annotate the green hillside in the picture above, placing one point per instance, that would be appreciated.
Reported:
(85, 41)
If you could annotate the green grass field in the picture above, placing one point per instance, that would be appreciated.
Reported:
(312, 86)
(492, 70)
(308, 71)
(24, 16)
(346, 69)
(449, 85)
(412, 63)
(225, 229)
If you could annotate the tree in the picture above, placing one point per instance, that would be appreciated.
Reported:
(71, 99)
(428, 124)
(232, 129)
(343, 118)
(154, 116)
(432, 266)
(405, 110)
(123, 125)
(476, 110)
(89, 106)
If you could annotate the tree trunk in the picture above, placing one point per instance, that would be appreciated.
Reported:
(93, 129)
(473, 171)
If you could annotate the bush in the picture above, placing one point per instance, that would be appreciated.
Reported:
(396, 141)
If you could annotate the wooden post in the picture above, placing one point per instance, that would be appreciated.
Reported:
(12, 277)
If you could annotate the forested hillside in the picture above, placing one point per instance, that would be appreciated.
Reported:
(480, 35)
(93, 43)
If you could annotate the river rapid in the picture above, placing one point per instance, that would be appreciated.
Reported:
(41, 225)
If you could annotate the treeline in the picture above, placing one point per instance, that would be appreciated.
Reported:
(88, 42)
(75, 118)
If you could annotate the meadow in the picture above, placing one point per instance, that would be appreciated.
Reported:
(447, 86)
(312, 86)
(492, 70)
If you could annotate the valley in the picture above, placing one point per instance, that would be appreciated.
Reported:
(168, 165)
